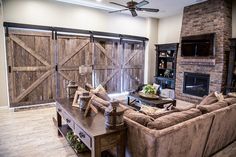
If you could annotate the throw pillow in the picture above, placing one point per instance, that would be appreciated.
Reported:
(209, 108)
(138, 117)
(219, 96)
(230, 100)
(210, 99)
(233, 94)
(155, 112)
(101, 92)
(173, 119)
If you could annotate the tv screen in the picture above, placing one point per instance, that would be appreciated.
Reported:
(199, 45)
(188, 49)
(203, 49)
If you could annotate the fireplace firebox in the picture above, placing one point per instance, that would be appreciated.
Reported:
(196, 84)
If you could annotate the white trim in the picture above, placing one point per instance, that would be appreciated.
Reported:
(31, 106)
(4, 107)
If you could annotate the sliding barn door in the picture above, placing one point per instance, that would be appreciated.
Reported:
(72, 52)
(133, 65)
(39, 67)
(107, 67)
(30, 67)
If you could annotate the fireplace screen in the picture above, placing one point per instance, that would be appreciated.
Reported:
(196, 84)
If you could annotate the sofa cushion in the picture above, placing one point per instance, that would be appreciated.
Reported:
(209, 108)
(230, 100)
(223, 130)
(101, 93)
(138, 117)
(173, 119)
(210, 99)
(155, 112)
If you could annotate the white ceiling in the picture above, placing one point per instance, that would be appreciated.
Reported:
(166, 7)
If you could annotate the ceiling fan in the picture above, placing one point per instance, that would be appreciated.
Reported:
(134, 6)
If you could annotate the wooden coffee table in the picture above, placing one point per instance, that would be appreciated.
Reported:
(134, 97)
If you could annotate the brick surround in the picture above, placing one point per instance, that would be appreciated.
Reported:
(212, 16)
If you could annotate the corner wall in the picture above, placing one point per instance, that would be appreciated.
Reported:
(169, 29)
(3, 74)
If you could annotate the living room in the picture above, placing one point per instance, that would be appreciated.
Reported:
(164, 70)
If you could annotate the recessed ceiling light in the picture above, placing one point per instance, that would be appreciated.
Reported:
(98, 0)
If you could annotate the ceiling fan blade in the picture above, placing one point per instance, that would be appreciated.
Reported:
(118, 4)
(148, 9)
(118, 11)
(134, 13)
(142, 3)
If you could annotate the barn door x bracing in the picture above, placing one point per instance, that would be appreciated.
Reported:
(41, 67)
(30, 66)
(107, 67)
(72, 52)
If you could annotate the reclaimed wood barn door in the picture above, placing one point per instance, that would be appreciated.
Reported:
(30, 67)
(107, 67)
(133, 65)
(72, 52)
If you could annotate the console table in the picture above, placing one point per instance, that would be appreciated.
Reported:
(91, 130)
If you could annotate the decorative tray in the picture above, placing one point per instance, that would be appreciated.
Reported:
(148, 96)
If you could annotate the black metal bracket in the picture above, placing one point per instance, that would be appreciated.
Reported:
(9, 69)
(55, 35)
(144, 43)
(56, 68)
(6, 31)
(91, 36)
(121, 39)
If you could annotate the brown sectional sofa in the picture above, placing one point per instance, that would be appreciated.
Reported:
(201, 136)
(198, 137)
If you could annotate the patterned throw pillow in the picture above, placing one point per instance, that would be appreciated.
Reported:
(210, 99)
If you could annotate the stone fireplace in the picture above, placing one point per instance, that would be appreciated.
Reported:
(212, 16)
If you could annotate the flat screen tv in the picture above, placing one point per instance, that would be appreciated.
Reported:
(198, 46)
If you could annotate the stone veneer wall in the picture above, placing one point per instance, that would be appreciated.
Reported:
(212, 16)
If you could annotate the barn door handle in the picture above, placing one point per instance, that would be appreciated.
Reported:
(68, 121)
(56, 68)
(9, 69)
(81, 135)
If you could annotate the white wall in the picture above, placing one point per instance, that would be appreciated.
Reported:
(3, 76)
(150, 58)
(234, 19)
(53, 13)
(169, 29)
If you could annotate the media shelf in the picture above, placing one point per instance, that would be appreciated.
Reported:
(166, 55)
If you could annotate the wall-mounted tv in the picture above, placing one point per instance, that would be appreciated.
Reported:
(198, 45)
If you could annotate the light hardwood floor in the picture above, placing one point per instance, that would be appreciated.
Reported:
(31, 134)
